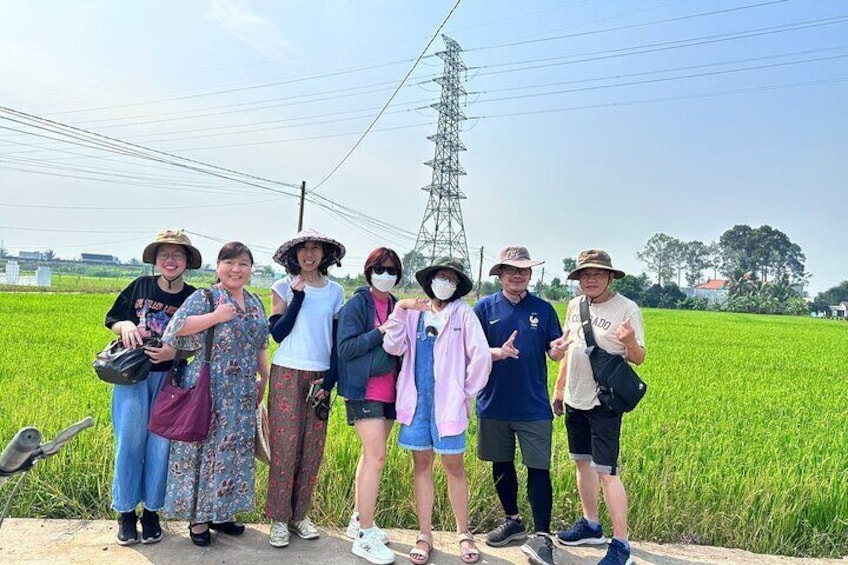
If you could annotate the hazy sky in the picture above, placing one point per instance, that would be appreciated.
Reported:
(593, 123)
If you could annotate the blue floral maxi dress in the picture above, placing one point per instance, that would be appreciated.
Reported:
(214, 479)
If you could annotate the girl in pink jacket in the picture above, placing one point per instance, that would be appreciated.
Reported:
(446, 362)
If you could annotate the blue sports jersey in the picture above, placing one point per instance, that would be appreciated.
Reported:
(517, 390)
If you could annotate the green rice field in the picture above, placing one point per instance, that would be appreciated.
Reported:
(742, 440)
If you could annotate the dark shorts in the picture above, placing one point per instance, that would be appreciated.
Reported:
(594, 435)
(496, 441)
(368, 409)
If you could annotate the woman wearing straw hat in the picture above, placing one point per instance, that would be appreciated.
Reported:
(142, 310)
(446, 362)
(304, 306)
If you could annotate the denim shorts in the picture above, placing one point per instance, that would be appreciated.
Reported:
(368, 409)
(421, 435)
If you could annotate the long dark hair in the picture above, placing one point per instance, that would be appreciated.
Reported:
(330, 257)
(377, 257)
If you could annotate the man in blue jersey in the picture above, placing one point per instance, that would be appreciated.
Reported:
(521, 329)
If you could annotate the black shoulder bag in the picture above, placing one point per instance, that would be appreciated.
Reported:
(620, 388)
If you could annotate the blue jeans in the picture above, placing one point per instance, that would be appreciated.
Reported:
(141, 457)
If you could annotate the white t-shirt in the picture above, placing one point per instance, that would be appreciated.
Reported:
(581, 390)
(308, 346)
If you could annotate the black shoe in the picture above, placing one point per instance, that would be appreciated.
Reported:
(229, 528)
(539, 550)
(202, 539)
(127, 532)
(509, 530)
(151, 531)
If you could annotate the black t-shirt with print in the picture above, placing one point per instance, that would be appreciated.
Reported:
(148, 307)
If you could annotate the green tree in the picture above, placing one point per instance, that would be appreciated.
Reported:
(659, 256)
(832, 296)
(632, 287)
(412, 263)
(696, 259)
(764, 252)
(49, 255)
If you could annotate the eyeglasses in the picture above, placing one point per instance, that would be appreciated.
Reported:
(380, 269)
(509, 271)
(431, 330)
(176, 256)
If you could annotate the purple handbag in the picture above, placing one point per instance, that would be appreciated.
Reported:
(184, 414)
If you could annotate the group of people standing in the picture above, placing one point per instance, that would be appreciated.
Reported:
(420, 361)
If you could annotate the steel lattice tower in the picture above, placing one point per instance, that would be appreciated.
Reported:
(442, 231)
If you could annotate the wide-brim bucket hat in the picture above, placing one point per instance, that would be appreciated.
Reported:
(594, 259)
(173, 237)
(464, 284)
(309, 235)
(514, 256)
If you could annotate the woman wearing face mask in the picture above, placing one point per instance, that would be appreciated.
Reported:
(446, 362)
(367, 376)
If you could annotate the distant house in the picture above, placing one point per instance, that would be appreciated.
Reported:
(840, 310)
(714, 291)
(99, 259)
(32, 256)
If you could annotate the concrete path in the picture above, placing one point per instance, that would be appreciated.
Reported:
(56, 542)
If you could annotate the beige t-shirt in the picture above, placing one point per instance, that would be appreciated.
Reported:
(581, 390)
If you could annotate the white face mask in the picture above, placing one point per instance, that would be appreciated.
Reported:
(443, 289)
(384, 282)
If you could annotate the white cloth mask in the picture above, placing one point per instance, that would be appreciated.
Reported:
(384, 282)
(443, 289)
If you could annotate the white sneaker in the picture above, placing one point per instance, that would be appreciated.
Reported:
(279, 536)
(370, 547)
(353, 530)
(305, 529)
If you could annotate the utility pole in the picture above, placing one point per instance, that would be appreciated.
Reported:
(302, 203)
(480, 274)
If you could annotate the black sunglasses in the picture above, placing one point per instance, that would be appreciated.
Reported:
(380, 269)
(431, 330)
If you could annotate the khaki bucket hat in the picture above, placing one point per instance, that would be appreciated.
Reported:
(173, 237)
(594, 259)
(464, 284)
(514, 256)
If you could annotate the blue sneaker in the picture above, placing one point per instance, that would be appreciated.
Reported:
(581, 533)
(617, 554)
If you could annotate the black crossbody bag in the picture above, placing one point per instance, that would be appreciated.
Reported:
(620, 388)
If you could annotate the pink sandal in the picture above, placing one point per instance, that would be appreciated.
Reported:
(421, 556)
(470, 554)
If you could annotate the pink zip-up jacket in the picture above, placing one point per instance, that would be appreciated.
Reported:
(462, 363)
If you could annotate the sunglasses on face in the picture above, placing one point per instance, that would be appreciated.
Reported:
(380, 269)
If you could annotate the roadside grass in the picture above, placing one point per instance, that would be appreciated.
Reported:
(740, 441)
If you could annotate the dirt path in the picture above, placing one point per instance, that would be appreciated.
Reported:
(55, 542)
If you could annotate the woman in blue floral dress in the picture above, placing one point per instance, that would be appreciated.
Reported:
(210, 481)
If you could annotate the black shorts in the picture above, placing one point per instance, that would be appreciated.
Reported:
(496, 441)
(368, 409)
(594, 435)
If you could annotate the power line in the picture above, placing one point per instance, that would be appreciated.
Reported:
(389, 101)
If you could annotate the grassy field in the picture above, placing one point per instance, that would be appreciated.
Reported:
(741, 441)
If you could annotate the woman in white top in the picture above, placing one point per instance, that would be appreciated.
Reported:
(304, 306)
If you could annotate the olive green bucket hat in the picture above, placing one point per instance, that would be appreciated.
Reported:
(594, 259)
(464, 284)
